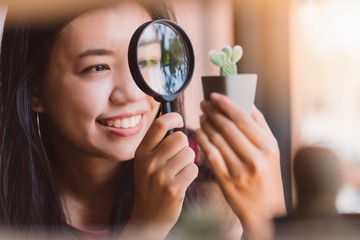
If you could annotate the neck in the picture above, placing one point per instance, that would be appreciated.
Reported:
(87, 187)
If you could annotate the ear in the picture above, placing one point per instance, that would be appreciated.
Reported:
(36, 102)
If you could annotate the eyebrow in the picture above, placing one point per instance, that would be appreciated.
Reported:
(148, 42)
(95, 52)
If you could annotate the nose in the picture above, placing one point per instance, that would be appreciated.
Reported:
(124, 88)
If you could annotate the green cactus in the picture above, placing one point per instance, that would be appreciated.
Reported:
(226, 59)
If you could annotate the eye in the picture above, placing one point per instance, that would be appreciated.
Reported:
(148, 63)
(96, 68)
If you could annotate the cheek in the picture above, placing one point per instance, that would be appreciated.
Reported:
(74, 95)
(73, 107)
(154, 106)
(71, 114)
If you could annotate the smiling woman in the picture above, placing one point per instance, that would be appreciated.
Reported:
(70, 81)
(88, 80)
(94, 160)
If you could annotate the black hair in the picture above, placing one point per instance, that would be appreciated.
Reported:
(29, 197)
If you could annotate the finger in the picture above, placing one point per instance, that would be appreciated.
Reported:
(171, 146)
(238, 141)
(178, 162)
(159, 128)
(217, 164)
(240, 118)
(212, 154)
(260, 120)
(233, 161)
(185, 177)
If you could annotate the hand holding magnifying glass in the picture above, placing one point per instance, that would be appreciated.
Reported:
(161, 61)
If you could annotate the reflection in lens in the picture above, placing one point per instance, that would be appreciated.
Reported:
(163, 59)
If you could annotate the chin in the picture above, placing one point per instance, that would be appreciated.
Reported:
(119, 157)
(116, 153)
(121, 150)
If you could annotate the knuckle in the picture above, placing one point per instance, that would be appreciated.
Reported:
(175, 118)
(257, 157)
(190, 154)
(191, 171)
(168, 121)
(238, 179)
(150, 169)
(242, 121)
(194, 170)
(254, 167)
(173, 192)
(181, 138)
(272, 149)
(241, 180)
(151, 166)
(260, 115)
(161, 180)
(160, 124)
(178, 116)
(187, 155)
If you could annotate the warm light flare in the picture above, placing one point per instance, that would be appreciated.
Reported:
(336, 21)
(325, 60)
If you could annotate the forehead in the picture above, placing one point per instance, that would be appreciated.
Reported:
(103, 27)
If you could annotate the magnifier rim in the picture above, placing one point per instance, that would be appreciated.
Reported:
(133, 60)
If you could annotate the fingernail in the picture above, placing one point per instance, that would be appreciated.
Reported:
(214, 96)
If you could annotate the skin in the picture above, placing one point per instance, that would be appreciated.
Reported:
(244, 156)
(81, 91)
(78, 94)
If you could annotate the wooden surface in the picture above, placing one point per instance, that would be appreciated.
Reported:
(52, 9)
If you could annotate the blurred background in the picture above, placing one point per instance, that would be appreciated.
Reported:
(306, 54)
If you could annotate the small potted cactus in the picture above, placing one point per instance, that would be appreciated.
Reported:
(239, 87)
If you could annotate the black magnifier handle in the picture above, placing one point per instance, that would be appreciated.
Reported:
(166, 108)
(161, 61)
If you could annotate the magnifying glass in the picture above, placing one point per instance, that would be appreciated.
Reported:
(161, 60)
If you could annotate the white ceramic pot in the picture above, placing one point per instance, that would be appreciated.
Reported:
(240, 88)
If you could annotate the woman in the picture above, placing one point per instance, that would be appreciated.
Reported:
(72, 118)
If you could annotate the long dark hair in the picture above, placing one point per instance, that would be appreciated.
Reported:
(28, 191)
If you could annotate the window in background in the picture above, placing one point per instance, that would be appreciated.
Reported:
(325, 62)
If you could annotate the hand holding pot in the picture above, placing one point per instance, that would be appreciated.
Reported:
(244, 155)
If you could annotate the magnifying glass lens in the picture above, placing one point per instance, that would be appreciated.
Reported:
(163, 59)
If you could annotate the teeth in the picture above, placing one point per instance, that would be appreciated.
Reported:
(125, 122)
(110, 123)
(117, 123)
(133, 121)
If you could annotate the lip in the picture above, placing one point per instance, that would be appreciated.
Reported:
(122, 132)
(121, 116)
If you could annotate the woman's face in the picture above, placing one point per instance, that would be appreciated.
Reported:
(93, 106)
